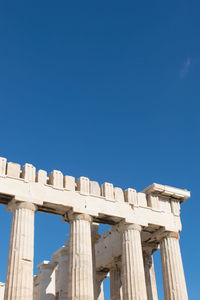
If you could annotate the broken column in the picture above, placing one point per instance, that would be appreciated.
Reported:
(47, 288)
(100, 276)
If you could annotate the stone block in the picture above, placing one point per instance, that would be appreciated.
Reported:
(119, 194)
(131, 197)
(175, 207)
(41, 176)
(2, 166)
(165, 204)
(95, 188)
(13, 170)
(28, 172)
(83, 185)
(107, 191)
(69, 183)
(142, 199)
(56, 179)
(153, 201)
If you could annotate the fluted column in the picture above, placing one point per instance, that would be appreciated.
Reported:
(19, 278)
(96, 283)
(116, 283)
(150, 275)
(172, 268)
(133, 278)
(80, 280)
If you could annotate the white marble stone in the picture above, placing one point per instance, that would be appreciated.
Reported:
(119, 194)
(19, 278)
(56, 179)
(47, 287)
(172, 267)
(83, 185)
(28, 172)
(3, 166)
(58, 197)
(107, 191)
(80, 280)
(2, 289)
(61, 257)
(131, 197)
(69, 183)
(116, 292)
(150, 275)
(41, 177)
(155, 210)
(13, 170)
(153, 201)
(133, 278)
(94, 188)
(175, 207)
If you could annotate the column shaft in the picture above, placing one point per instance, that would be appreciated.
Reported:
(172, 267)
(116, 283)
(80, 281)
(19, 278)
(133, 278)
(150, 276)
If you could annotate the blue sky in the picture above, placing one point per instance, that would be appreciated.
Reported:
(104, 89)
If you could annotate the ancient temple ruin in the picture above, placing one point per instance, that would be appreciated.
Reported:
(142, 222)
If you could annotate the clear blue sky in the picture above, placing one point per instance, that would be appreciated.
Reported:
(105, 89)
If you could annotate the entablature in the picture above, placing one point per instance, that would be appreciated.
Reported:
(57, 194)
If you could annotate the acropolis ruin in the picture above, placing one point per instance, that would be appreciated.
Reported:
(142, 222)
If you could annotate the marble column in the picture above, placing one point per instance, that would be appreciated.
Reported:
(116, 283)
(133, 278)
(19, 278)
(80, 276)
(100, 276)
(97, 278)
(172, 268)
(150, 275)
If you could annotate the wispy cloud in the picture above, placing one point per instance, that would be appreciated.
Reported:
(186, 68)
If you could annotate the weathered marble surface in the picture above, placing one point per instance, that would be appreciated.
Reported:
(139, 219)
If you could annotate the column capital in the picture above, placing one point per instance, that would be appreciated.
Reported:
(13, 205)
(76, 216)
(123, 226)
(172, 234)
